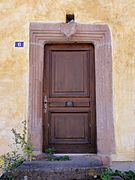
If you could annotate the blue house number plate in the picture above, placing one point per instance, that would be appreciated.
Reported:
(19, 44)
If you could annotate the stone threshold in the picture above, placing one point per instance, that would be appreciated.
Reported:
(80, 166)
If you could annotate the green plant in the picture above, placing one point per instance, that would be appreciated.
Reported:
(28, 151)
(50, 151)
(63, 158)
(58, 158)
(51, 157)
(12, 159)
(106, 174)
(109, 173)
(130, 175)
(25, 144)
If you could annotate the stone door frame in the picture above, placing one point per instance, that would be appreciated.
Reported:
(100, 36)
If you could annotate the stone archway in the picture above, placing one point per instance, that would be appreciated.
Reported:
(99, 35)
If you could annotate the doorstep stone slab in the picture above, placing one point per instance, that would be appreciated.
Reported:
(78, 167)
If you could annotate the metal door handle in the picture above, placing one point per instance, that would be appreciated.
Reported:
(45, 103)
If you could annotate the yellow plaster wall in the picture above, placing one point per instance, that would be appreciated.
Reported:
(15, 16)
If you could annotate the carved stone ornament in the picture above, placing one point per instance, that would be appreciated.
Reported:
(68, 29)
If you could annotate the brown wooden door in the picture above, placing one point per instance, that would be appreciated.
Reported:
(69, 98)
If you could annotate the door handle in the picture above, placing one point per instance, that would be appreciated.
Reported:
(45, 103)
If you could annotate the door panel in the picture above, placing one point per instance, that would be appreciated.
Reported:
(69, 92)
(63, 128)
(69, 73)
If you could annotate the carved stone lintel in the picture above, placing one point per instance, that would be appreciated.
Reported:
(68, 29)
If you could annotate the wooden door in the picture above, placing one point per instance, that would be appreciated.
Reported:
(69, 98)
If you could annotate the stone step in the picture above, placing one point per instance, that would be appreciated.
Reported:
(79, 167)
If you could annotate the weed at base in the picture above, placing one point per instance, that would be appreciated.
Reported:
(50, 152)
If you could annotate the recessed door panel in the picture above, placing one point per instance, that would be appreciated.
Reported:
(69, 75)
(63, 128)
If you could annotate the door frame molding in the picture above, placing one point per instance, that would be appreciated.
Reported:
(100, 36)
